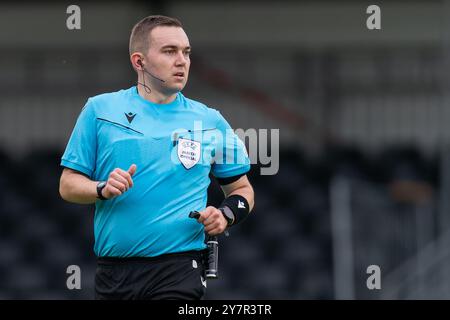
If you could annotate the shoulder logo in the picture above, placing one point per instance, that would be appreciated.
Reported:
(130, 116)
(241, 205)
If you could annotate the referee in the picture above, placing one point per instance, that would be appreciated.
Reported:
(142, 156)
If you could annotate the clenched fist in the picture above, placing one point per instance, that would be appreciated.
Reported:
(213, 220)
(119, 181)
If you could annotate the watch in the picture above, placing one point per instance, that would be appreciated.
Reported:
(228, 215)
(100, 186)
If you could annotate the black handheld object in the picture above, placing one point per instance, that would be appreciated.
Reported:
(212, 259)
(194, 214)
(212, 269)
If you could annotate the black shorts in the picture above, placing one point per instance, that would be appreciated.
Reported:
(172, 276)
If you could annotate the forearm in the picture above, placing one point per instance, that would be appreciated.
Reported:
(76, 188)
(246, 192)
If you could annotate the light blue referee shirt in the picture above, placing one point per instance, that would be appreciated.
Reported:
(174, 146)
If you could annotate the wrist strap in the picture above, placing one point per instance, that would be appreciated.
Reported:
(239, 205)
(99, 191)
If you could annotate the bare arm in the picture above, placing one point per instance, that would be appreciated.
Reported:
(240, 187)
(213, 219)
(77, 188)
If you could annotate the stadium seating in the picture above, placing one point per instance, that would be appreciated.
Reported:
(283, 251)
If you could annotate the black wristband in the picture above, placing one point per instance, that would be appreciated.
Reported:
(100, 186)
(239, 205)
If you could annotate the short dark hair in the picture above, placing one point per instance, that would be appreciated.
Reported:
(139, 39)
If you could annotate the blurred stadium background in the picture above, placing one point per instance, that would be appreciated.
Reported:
(364, 174)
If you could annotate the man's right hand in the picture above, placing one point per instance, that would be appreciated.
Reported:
(119, 181)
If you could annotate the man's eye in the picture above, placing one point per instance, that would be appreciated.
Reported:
(187, 53)
(170, 51)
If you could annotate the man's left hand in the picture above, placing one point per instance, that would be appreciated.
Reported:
(213, 220)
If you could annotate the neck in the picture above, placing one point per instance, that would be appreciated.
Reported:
(155, 96)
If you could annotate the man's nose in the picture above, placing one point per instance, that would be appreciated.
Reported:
(181, 59)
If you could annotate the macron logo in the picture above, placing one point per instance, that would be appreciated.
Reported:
(241, 205)
(130, 116)
(203, 281)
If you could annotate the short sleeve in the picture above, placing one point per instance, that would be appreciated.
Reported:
(231, 158)
(80, 153)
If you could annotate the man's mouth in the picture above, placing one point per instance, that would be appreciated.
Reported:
(179, 74)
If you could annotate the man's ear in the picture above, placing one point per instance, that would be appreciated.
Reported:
(136, 61)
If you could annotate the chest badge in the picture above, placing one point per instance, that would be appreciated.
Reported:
(189, 152)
